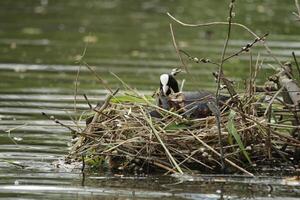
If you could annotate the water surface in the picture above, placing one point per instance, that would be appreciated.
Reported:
(41, 42)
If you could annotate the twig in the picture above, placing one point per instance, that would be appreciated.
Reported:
(268, 142)
(121, 143)
(197, 60)
(215, 110)
(13, 163)
(17, 127)
(226, 23)
(272, 100)
(269, 51)
(297, 142)
(247, 47)
(76, 89)
(83, 163)
(219, 78)
(213, 23)
(88, 102)
(264, 127)
(99, 111)
(156, 133)
(58, 122)
(176, 48)
(77, 75)
(94, 109)
(163, 166)
(284, 126)
(225, 48)
(298, 9)
(250, 89)
(296, 62)
(98, 77)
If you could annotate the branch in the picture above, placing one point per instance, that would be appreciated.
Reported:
(197, 60)
(213, 23)
(247, 47)
(243, 49)
(298, 10)
(226, 23)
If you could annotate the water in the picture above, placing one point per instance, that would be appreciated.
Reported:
(40, 43)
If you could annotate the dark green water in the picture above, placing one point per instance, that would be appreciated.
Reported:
(40, 41)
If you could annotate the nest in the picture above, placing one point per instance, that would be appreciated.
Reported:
(258, 128)
(253, 131)
(122, 136)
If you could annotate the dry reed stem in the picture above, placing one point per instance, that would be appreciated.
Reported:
(156, 133)
(101, 80)
(177, 50)
(268, 109)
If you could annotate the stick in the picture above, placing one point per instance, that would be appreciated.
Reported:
(97, 114)
(97, 76)
(149, 121)
(88, 102)
(272, 100)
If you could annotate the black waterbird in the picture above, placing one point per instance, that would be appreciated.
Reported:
(190, 104)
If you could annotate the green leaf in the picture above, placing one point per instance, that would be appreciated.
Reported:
(129, 98)
(232, 131)
(174, 126)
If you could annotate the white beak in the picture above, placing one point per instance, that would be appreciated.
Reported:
(164, 79)
(165, 89)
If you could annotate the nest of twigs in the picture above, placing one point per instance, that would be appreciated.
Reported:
(257, 129)
(123, 136)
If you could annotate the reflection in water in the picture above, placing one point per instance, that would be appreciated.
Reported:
(40, 43)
